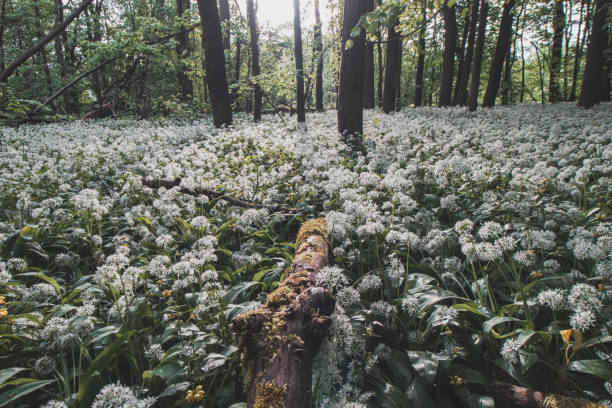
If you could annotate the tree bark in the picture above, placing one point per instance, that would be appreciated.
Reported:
(605, 74)
(590, 93)
(478, 53)
(448, 62)
(579, 48)
(461, 54)
(318, 40)
(556, 52)
(224, 15)
(43, 41)
(183, 50)
(43, 53)
(420, 72)
(392, 63)
(214, 57)
(512, 396)
(461, 92)
(255, 70)
(350, 98)
(501, 49)
(2, 26)
(299, 62)
(279, 341)
(368, 69)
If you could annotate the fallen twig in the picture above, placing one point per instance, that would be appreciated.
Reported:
(157, 183)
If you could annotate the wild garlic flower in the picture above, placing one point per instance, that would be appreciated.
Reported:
(369, 282)
(510, 351)
(119, 396)
(331, 277)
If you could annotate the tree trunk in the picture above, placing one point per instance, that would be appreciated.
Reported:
(478, 53)
(592, 80)
(368, 69)
(461, 52)
(279, 341)
(501, 49)
(224, 15)
(420, 72)
(556, 53)
(392, 63)
(579, 48)
(255, 70)
(43, 41)
(2, 25)
(350, 98)
(605, 74)
(318, 48)
(398, 80)
(461, 93)
(448, 62)
(299, 62)
(183, 50)
(566, 57)
(214, 58)
(43, 53)
(507, 79)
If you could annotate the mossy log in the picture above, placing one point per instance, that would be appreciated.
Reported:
(279, 341)
(512, 396)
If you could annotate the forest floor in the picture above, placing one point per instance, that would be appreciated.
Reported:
(467, 247)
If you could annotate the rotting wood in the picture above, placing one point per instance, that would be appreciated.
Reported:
(279, 341)
(512, 396)
(157, 183)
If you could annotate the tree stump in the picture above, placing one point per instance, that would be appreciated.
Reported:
(278, 342)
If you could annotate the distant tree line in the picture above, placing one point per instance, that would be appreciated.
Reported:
(94, 58)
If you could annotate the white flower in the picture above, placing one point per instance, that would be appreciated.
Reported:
(119, 396)
(510, 351)
(369, 282)
(410, 304)
(553, 298)
(164, 240)
(445, 316)
(332, 278)
(490, 230)
(583, 319)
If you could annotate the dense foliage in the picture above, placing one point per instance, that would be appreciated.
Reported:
(467, 247)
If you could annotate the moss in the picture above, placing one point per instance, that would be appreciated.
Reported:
(558, 401)
(270, 395)
(282, 296)
(317, 226)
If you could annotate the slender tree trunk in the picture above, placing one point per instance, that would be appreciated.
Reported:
(592, 80)
(299, 62)
(350, 98)
(420, 72)
(568, 36)
(224, 15)
(578, 51)
(254, 34)
(461, 93)
(368, 69)
(214, 57)
(43, 53)
(392, 63)
(501, 49)
(556, 53)
(248, 104)
(398, 81)
(379, 52)
(238, 61)
(522, 97)
(448, 61)
(318, 40)
(2, 26)
(478, 53)
(462, 52)
(507, 79)
(58, 29)
(183, 50)
(605, 74)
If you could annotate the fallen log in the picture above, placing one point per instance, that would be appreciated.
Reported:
(512, 396)
(103, 111)
(279, 341)
(238, 202)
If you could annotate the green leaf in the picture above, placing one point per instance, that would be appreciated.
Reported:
(103, 360)
(101, 333)
(491, 323)
(8, 373)
(425, 365)
(598, 368)
(237, 290)
(18, 392)
(46, 278)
